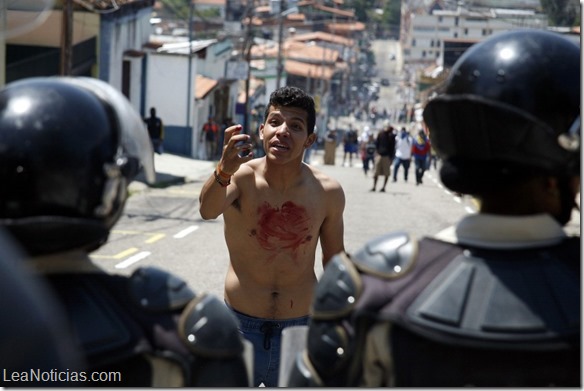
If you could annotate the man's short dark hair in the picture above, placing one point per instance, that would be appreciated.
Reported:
(293, 97)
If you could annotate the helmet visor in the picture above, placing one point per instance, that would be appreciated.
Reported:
(134, 138)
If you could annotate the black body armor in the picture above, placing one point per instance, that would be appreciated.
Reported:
(152, 330)
(457, 316)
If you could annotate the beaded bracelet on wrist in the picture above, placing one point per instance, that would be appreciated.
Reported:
(220, 180)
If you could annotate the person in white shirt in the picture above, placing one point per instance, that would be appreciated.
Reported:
(403, 153)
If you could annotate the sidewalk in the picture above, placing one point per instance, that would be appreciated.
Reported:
(174, 169)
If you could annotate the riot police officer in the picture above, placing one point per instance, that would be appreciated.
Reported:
(33, 332)
(69, 147)
(495, 300)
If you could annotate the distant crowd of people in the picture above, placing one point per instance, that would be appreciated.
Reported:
(387, 151)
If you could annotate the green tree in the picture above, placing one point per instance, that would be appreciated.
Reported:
(180, 8)
(383, 14)
(362, 9)
(562, 12)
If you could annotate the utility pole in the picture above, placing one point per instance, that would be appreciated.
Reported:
(279, 66)
(190, 67)
(3, 35)
(247, 44)
(66, 38)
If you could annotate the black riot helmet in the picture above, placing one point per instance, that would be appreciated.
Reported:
(510, 108)
(69, 147)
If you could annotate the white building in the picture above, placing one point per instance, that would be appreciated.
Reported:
(186, 84)
(424, 39)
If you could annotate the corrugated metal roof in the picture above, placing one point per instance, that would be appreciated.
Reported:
(203, 86)
(322, 36)
(172, 46)
(346, 27)
(313, 53)
(297, 50)
(309, 70)
(109, 4)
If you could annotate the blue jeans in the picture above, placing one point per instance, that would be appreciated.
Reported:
(420, 163)
(266, 337)
(401, 162)
(157, 146)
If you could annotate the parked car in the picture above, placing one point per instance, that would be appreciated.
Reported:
(385, 82)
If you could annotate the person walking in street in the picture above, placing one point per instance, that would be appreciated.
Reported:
(60, 202)
(276, 210)
(156, 131)
(420, 154)
(367, 151)
(210, 133)
(403, 153)
(350, 145)
(385, 148)
(494, 301)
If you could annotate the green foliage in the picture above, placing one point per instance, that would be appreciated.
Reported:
(208, 13)
(180, 8)
(385, 14)
(562, 12)
(361, 7)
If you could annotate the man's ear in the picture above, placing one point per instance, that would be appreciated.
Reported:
(310, 140)
(261, 131)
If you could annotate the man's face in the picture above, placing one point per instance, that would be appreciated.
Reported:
(285, 133)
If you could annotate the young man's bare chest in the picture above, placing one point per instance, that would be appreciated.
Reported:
(279, 222)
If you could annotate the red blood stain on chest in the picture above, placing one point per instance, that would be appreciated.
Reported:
(283, 228)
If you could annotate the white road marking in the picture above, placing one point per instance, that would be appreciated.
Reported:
(133, 259)
(186, 232)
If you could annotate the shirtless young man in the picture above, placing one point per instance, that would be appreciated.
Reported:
(276, 209)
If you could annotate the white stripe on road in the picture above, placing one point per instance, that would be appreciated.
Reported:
(132, 260)
(186, 232)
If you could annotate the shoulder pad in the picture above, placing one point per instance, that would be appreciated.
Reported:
(337, 290)
(158, 290)
(518, 299)
(210, 329)
(388, 256)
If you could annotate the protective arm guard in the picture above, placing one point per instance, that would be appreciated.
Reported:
(209, 329)
(213, 347)
(343, 310)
